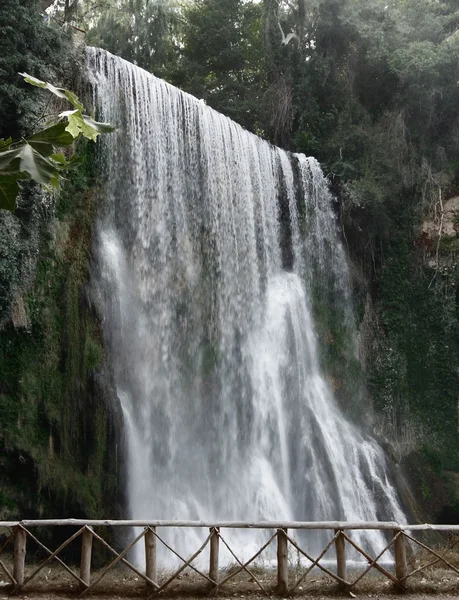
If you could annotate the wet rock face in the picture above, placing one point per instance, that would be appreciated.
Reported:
(439, 238)
(445, 221)
(19, 316)
(60, 440)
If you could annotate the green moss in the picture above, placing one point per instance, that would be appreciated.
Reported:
(50, 409)
(94, 354)
(413, 373)
(337, 350)
(449, 244)
(426, 494)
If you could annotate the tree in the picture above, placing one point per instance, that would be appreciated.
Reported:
(144, 32)
(221, 58)
(29, 45)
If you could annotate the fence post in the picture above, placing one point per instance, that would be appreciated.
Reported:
(214, 548)
(340, 547)
(282, 561)
(86, 555)
(20, 541)
(150, 556)
(400, 558)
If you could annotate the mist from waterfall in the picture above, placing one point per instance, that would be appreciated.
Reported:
(209, 242)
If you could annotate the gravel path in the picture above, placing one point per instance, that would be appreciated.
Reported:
(394, 596)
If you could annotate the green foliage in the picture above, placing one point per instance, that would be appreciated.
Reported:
(28, 44)
(222, 58)
(414, 374)
(145, 32)
(37, 156)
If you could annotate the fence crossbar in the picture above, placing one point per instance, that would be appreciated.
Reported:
(118, 559)
(377, 566)
(433, 562)
(123, 560)
(8, 574)
(243, 566)
(373, 563)
(52, 555)
(187, 563)
(315, 562)
(7, 541)
(440, 558)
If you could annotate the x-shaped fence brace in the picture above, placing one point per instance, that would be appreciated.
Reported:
(9, 539)
(120, 557)
(243, 566)
(372, 562)
(439, 557)
(186, 563)
(214, 531)
(52, 556)
(340, 537)
(314, 563)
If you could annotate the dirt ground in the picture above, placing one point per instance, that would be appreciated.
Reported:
(53, 582)
(376, 595)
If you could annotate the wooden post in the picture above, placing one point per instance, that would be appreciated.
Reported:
(20, 541)
(214, 547)
(400, 559)
(282, 561)
(340, 547)
(150, 556)
(85, 561)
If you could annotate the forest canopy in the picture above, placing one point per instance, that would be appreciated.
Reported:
(369, 87)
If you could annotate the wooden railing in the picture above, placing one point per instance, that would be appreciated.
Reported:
(18, 532)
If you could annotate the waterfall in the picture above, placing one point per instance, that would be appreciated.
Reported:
(209, 243)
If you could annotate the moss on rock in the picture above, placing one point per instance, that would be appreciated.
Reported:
(58, 410)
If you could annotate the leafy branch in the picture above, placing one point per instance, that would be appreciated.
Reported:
(38, 156)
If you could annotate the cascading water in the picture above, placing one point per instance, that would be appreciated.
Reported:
(209, 243)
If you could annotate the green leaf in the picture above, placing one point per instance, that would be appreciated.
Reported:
(54, 181)
(44, 148)
(28, 162)
(59, 158)
(74, 162)
(9, 190)
(5, 143)
(39, 168)
(33, 80)
(98, 126)
(56, 135)
(73, 99)
(7, 157)
(77, 125)
(59, 92)
(73, 123)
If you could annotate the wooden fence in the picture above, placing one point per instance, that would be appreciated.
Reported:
(280, 533)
